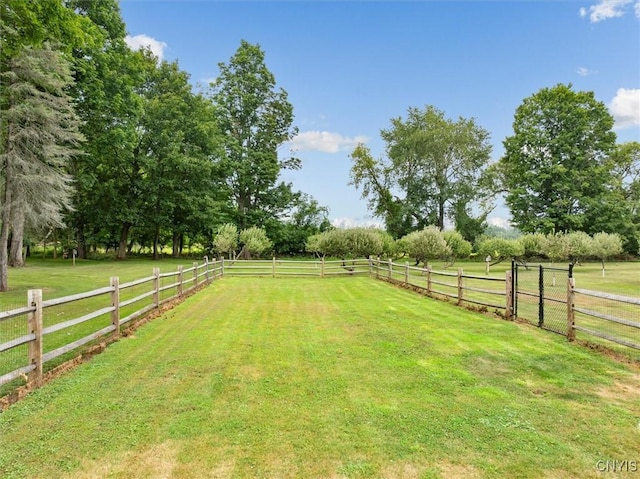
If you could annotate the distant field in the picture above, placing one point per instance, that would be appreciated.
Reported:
(328, 378)
(60, 278)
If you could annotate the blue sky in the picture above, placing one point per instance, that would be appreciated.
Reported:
(351, 66)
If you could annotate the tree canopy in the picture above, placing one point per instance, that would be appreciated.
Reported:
(435, 169)
(255, 120)
(554, 168)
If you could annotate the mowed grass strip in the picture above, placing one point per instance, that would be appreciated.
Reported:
(284, 378)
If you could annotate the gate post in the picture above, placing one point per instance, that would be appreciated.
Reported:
(541, 296)
(459, 302)
(509, 313)
(571, 315)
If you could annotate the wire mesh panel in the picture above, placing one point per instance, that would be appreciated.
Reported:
(541, 296)
(526, 294)
(63, 324)
(609, 317)
(553, 287)
(12, 329)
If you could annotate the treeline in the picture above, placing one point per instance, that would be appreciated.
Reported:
(562, 171)
(428, 244)
(103, 147)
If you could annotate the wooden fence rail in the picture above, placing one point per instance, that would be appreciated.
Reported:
(281, 268)
(625, 332)
(453, 285)
(35, 339)
(461, 287)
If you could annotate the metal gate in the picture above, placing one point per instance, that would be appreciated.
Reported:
(540, 295)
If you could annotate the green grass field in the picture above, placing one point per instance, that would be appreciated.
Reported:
(60, 278)
(333, 378)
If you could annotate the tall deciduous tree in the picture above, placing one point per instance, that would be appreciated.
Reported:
(554, 167)
(438, 165)
(108, 79)
(39, 134)
(177, 139)
(255, 119)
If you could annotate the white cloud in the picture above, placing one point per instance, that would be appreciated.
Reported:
(636, 8)
(500, 222)
(625, 107)
(141, 41)
(325, 141)
(606, 9)
(583, 72)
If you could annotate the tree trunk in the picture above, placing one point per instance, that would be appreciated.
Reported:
(175, 245)
(122, 248)
(441, 215)
(4, 234)
(16, 258)
(156, 240)
(81, 244)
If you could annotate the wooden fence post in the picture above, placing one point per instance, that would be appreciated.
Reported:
(322, 267)
(377, 267)
(222, 267)
(214, 269)
(509, 295)
(34, 319)
(406, 272)
(571, 315)
(390, 268)
(206, 270)
(180, 280)
(429, 280)
(273, 268)
(459, 287)
(195, 274)
(156, 287)
(115, 302)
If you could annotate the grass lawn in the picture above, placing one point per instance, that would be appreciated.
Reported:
(59, 277)
(333, 378)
